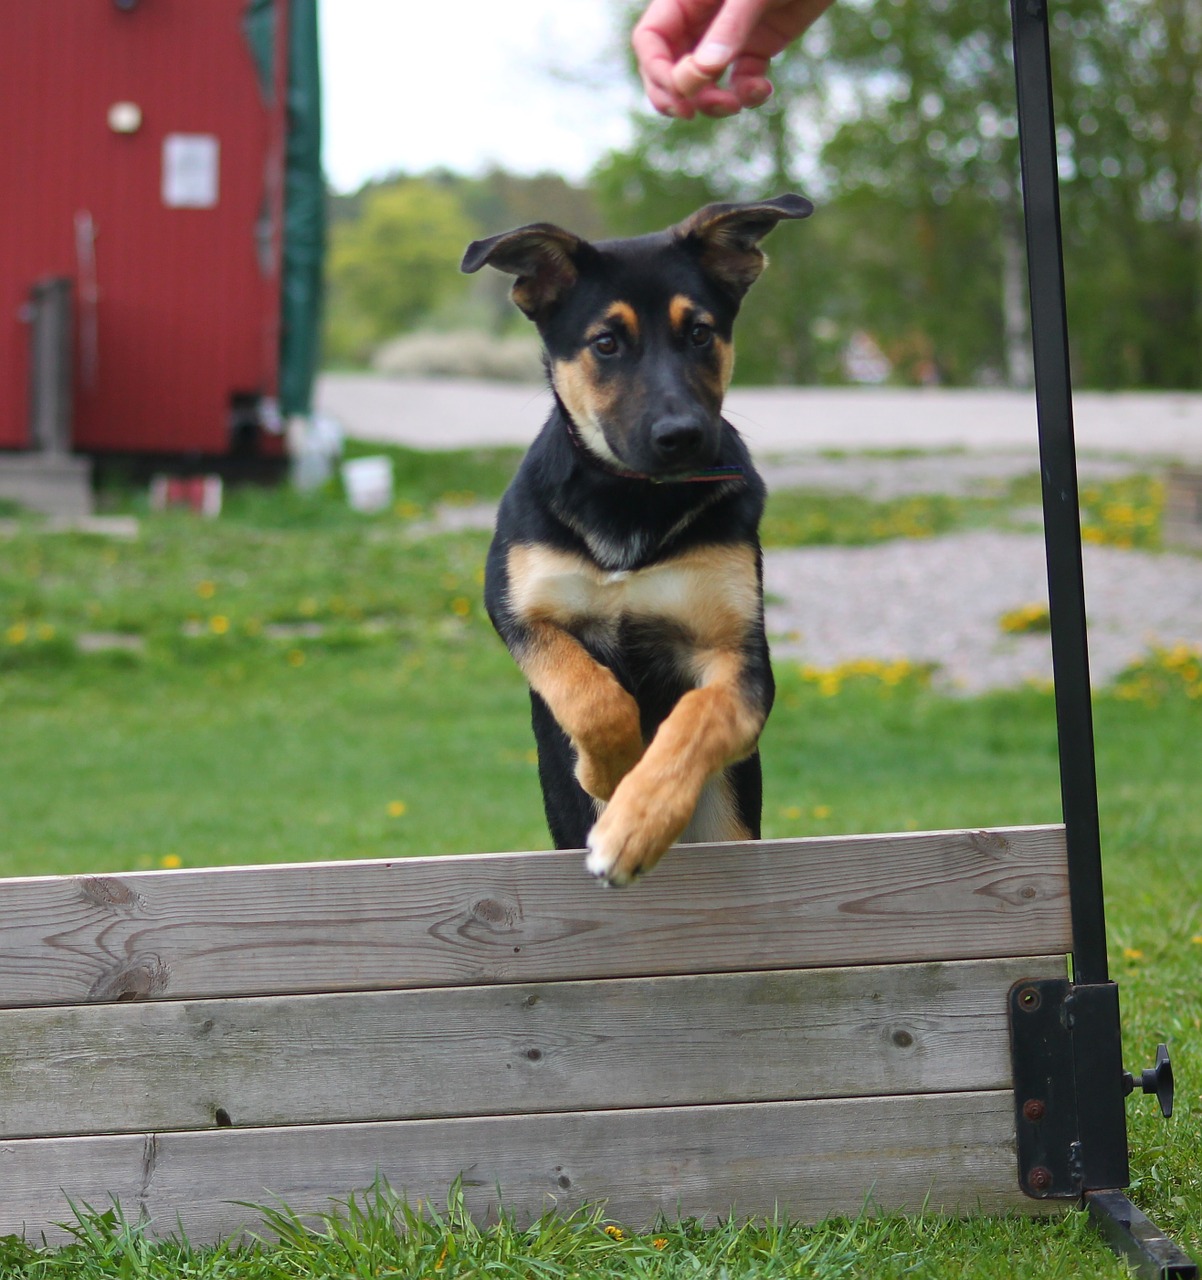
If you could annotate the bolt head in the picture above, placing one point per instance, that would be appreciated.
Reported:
(1040, 1180)
(1034, 1110)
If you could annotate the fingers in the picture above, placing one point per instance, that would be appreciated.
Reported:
(684, 47)
(667, 30)
(725, 37)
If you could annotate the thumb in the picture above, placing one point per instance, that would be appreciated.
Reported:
(718, 48)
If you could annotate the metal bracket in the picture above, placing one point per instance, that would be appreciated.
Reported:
(1131, 1234)
(1066, 1054)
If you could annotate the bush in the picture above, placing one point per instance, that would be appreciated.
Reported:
(465, 353)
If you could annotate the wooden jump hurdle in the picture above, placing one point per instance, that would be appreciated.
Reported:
(807, 1025)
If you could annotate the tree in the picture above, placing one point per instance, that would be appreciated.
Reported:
(900, 120)
(397, 262)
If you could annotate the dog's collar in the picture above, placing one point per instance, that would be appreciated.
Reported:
(623, 473)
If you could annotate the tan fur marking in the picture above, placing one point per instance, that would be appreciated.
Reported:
(575, 384)
(709, 728)
(624, 314)
(592, 708)
(710, 593)
(726, 361)
(680, 309)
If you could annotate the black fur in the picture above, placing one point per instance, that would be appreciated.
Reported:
(634, 470)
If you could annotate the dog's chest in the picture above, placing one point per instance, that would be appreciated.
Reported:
(709, 595)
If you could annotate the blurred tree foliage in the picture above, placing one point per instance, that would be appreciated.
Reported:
(396, 245)
(393, 264)
(898, 119)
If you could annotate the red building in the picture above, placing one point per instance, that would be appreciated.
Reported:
(149, 156)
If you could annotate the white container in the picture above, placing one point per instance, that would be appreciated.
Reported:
(368, 483)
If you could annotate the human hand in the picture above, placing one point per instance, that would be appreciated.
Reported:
(683, 47)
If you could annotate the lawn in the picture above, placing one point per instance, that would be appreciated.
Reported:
(297, 682)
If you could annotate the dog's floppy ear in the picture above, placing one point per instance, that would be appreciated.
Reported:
(541, 255)
(727, 237)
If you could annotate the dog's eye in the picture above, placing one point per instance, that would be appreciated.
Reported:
(605, 344)
(700, 334)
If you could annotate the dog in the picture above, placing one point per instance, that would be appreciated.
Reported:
(625, 574)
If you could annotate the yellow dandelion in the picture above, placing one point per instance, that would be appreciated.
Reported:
(45, 631)
(660, 1242)
(397, 808)
(615, 1232)
(461, 606)
(206, 590)
(219, 624)
(171, 861)
(1132, 953)
(792, 812)
(1197, 939)
(829, 683)
(308, 607)
(822, 811)
(407, 510)
(18, 633)
(531, 756)
(295, 658)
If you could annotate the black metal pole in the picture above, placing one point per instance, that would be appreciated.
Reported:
(1101, 1144)
(1058, 464)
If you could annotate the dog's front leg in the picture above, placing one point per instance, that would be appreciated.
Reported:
(711, 727)
(585, 697)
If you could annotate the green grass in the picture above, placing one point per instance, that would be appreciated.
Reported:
(372, 1234)
(1127, 512)
(312, 684)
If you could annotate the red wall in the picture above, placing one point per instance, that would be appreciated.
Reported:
(185, 313)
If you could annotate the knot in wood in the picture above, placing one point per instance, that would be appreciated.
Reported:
(112, 895)
(136, 979)
(495, 914)
(991, 843)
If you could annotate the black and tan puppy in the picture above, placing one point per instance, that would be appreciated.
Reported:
(625, 574)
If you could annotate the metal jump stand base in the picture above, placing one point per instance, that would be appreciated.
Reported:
(1065, 1037)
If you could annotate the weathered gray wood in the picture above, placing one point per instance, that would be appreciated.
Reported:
(530, 917)
(952, 1152)
(633, 1042)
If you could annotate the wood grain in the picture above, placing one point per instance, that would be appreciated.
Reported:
(487, 918)
(952, 1152)
(565, 1046)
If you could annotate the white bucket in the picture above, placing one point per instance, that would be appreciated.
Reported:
(368, 483)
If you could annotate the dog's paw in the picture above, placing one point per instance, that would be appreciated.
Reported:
(604, 862)
(633, 833)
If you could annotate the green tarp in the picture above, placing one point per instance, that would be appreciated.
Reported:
(304, 191)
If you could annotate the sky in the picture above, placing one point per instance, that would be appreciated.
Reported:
(530, 85)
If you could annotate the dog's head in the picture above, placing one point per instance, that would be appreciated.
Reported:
(638, 332)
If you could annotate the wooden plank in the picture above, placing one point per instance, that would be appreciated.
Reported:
(947, 1152)
(483, 918)
(565, 1046)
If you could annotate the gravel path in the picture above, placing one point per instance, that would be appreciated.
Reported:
(939, 600)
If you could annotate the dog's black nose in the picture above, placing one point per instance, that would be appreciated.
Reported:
(677, 440)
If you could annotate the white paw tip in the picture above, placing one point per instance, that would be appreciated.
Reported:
(600, 865)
